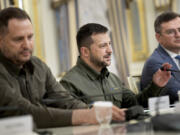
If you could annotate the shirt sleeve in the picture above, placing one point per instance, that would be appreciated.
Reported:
(129, 98)
(151, 90)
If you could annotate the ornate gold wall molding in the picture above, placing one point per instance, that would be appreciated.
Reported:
(162, 5)
(57, 3)
(137, 34)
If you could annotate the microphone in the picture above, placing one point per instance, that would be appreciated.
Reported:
(8, 108)
(55, 100)
(136, 112)
(172, 70)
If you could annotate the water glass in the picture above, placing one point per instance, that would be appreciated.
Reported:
(103, 110)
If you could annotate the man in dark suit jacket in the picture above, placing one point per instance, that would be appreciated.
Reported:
(167, 28)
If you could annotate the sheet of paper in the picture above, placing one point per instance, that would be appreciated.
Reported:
(157, 103)
(16, 125)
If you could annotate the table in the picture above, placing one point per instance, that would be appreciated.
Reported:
(139, 128)
(133, 127)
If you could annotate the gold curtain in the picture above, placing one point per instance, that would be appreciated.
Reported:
(119, 36)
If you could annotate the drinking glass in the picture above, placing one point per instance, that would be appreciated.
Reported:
(103, 110)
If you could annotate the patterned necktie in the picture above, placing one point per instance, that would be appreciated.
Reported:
(178, 57)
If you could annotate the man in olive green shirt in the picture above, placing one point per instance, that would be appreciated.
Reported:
(90, 77)
(26, 82)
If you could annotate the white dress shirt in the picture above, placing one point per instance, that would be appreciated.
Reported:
(173, 55)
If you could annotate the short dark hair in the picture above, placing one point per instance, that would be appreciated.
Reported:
(10, 13)
(162, 18)
(84, 34)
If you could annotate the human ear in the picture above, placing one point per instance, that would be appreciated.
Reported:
(1, 40)
(158, 36)
(84, 51)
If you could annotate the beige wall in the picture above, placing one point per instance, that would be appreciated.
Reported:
(49, 36)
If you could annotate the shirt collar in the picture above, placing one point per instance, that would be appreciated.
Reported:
(14, 69)
(91, 72)
(171, 54)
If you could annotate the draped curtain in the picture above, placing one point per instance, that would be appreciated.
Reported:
(66, 21)
(117, 20)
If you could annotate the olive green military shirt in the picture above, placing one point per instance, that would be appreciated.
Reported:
(85, 82)
(26, 88)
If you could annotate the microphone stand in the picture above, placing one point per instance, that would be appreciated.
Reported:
(8, 108)
(52, 100)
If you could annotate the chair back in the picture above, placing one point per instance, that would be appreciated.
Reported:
(134, 83)
(60, 76)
